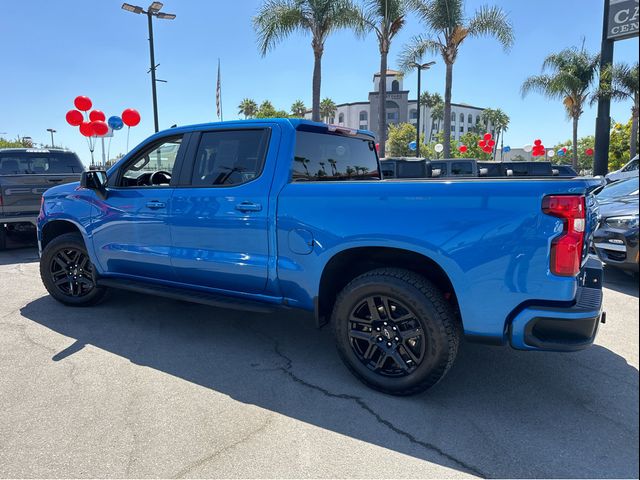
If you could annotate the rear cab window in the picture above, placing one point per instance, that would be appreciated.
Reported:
(321, 156)
(39, 162)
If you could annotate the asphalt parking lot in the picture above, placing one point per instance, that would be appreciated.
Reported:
(147, 387)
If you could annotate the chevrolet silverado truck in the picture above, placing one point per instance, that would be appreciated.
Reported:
(25, 174)
(281, 213)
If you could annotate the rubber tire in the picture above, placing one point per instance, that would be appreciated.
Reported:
(436, 316)
(64, 241)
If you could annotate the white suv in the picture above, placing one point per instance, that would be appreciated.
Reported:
(628, 171)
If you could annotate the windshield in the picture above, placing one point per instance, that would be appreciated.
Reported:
(39, 162)
(619, 189)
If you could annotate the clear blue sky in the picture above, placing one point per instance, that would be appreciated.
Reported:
(53, 51)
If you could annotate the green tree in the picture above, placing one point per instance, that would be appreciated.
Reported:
(623, 85)
(620, 144)
(437, 116)
(327, 109)
(298, 109)
(571, 75)
(10, 143)
(278, 19)
(248, 108)
(385, 18)
(400, 136)
(435, 104)
(448, 28)
(470, 140)
(266, 110)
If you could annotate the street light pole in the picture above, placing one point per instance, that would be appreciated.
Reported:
(419, 67)
(52, 131)
(152, 11)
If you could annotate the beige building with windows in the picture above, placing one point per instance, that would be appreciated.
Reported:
(364, 115)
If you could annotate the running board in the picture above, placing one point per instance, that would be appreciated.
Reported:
(194, 296)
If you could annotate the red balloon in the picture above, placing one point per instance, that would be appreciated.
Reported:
(487, 136)
(537, 142)
(130, 117)
(74, 118)
(82, 103)
(589, 151)
(491, 143)
(482, 144)
(100, 128)
(86, 129)
(97, 116)
(463, 148)
(487, 149)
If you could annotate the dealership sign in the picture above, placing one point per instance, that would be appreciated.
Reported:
(623, 19)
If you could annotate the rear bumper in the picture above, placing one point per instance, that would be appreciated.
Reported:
(563, 329)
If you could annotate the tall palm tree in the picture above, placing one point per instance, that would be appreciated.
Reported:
(327, 109)
(298, 109)
(248, 108)
(437, 115)
(385, 18)
(571, 75)
(434, 102)
(624, 86)
(499, 121)
(447, 29)
(277, 19)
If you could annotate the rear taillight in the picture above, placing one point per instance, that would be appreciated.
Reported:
(566, 250)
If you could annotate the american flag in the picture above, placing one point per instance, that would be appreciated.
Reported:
(219, 95)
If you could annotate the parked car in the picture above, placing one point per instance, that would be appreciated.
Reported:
(271, 213)
(630, 170)
(402, 167)
(25, 173)
(616, 239)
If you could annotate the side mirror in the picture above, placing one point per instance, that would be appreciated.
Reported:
(95, 180)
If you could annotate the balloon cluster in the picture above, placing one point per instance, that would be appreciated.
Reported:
(462, 148)
(562, 152)
(487, 143)
(94, 124)
(538, 149)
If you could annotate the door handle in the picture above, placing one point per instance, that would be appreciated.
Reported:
(155, 205)
(249, 207)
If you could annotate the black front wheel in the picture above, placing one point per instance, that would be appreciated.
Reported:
(395, 331)
(67, 272)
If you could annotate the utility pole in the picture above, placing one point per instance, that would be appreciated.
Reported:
(603, 120)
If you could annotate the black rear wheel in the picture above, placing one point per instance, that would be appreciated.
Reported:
(67, 271)
(395, 331)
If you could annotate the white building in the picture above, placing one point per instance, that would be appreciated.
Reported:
(364, 115)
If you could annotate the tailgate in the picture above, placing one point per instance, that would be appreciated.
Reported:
(20, 194)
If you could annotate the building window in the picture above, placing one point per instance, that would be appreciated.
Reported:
(364, 126)
(470, 119)
(341, 118)
(461, 118)
(413, 114)
(453, 117)
(364, 116)
(395, 86)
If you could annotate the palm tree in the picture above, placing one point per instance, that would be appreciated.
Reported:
(448, 28)
(248, 108)
(500, 122)
(624, 86)
(327, 109)
(385, 18)
(433, 101)
(571, 75)
(298, 109)
(277, 19)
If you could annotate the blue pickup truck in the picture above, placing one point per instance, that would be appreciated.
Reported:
(280, 213)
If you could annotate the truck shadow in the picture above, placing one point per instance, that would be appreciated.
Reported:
(18, 254)
(499, 413)
(620, 281)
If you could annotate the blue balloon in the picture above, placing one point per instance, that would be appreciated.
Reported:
(115, 122)
(561, 153)
(507, 149)
(412, 145)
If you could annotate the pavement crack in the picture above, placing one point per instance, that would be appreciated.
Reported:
(287, 369)
(207, 458)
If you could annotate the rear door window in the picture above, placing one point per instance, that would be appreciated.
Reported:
(39, 162)
(461, 168)
(230, 157)
(333, 157)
